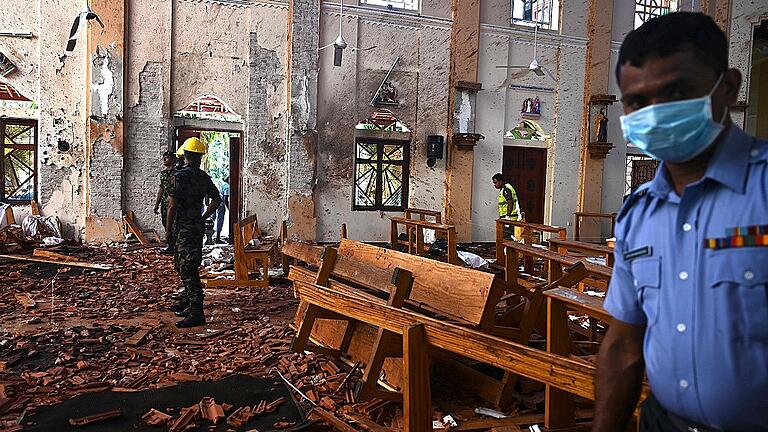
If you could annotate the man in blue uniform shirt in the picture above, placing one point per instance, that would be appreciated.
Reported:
(688, 292)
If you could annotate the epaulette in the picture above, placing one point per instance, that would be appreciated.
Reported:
(632, 200)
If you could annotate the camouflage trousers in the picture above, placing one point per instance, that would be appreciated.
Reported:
(187, 260)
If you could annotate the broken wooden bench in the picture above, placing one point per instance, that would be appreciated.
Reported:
(580, 216)
(249, 259)
(579, 248)
(424, 335)
(456, 294)
(414, 233)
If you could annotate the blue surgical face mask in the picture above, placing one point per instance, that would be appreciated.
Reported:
(674, 131)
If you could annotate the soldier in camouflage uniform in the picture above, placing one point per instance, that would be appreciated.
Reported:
(190, 186)
(161, 203)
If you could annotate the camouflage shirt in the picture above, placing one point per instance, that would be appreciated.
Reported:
(165, 185)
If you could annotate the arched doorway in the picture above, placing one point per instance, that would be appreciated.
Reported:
(209, 118)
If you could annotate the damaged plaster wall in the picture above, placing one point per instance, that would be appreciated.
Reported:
(745, 15)
(62, 124)
(264, 166)
(420, 79)
(148, 106)
(211, 53)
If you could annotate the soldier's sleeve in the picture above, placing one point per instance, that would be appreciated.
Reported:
(175, 186)
(213, 191)
(622, 299)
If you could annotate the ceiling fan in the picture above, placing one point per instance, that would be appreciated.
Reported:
(534, 67)
(339, 45)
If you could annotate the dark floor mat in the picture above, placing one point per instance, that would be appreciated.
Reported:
(236, 390)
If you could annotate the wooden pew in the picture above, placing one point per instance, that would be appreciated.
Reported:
(566, 247)
(514, 251)
(417, 246)
(579, 216)
(528, 236)
(560, 404)
(461, 295)
(423, 214)
(558, 372)
(248, 259)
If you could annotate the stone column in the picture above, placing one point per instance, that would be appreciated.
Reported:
(465, 42)
(303, 42)
(597, 72)
(104, 106)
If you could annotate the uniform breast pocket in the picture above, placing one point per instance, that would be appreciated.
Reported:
(739, 278)
(647, 275)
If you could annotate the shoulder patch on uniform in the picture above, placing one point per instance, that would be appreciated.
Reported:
(759, 150)
(632, 200)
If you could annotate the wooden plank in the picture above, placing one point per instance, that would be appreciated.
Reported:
(558, 371)
(560, 231)
(9, 218)
(25, 300)
(332, 420)
(132, 227)
(420, 223)
(417, 406)
(35, 208)
(52, 255)
(303, 252)
(68, 264)
(138, 337)
(580, 246)
(574, 300)
(451, 290)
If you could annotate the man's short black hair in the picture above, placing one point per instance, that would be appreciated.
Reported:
(169, 154)
(498, 177)
(677, 32)
(195, 158)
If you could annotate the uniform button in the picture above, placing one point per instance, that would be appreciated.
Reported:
(683, 275)
(635, 282)
(754, 152)
(687, 227)
(683, 384)
(748, 275)
(681, 327)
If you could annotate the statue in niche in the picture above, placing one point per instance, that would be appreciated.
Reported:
(531, 106)
(388, 94)
(601, 126)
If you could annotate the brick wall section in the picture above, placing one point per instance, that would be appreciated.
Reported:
(304, 37)
(264, 162)
(147, 138)
(105, 179)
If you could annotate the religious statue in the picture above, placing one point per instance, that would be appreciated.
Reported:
(601, 126)
(388, 94)
(536, 108)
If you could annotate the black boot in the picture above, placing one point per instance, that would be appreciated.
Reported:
(183, 313)
(181, 305)
(195, 317)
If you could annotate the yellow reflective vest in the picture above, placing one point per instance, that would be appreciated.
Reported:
(504, 203)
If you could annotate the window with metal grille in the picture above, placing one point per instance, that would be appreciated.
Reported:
(395, 4)
(18, 146)
(381, 175)
(542, 13)
(647, 9)
(640, 169)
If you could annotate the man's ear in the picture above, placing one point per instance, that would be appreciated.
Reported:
(731, 84)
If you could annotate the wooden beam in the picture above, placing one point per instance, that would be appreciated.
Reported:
(557, 371)
(63, 263)
(417, 407)
(559, 405)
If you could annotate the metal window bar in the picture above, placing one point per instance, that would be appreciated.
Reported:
(383, 175)
(18, 160)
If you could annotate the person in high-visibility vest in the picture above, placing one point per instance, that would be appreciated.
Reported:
(509, 206)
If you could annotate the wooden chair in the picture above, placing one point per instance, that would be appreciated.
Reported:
(248, 259)
(580, 216)
(141, 235)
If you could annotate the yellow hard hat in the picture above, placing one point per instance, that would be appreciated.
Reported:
(193, 145)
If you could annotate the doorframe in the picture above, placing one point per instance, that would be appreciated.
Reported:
(235, 169)
(549, 179)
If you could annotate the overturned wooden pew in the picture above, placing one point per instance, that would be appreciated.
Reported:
(460, 295)
(422, 335)
(249, 260)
